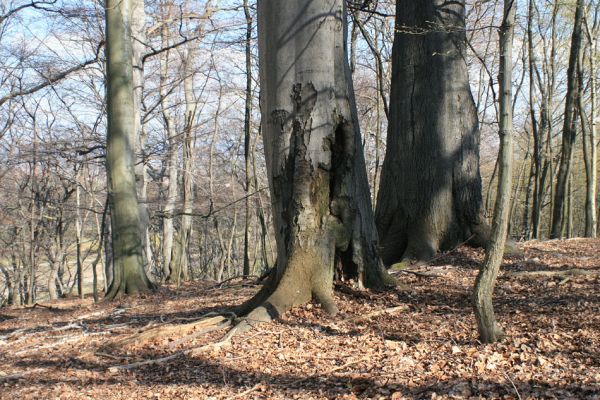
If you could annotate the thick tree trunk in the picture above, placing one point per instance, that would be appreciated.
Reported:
(129, 276)
(569, 127)
(430, 191)
(489, 330)
(319, 189)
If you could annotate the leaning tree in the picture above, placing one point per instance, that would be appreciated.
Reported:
(129, 276)
(430, 192)
(319, 189)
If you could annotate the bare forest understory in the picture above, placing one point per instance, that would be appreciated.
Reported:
(416, 341)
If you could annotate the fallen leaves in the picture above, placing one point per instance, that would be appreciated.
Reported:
(407, 343)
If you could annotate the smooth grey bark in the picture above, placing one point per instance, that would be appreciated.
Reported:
(489, 330)
(138, 28)
(430, 191)
(129, 276)
(170, 186)
(569, 127)
(319, 190)
(179, 261)
(589, 128)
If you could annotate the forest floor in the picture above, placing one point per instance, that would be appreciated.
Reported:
(416, 341)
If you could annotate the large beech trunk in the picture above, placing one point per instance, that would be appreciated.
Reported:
(129, 276)
(430, 191)
(319, 190)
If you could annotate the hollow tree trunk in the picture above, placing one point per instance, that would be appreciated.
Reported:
(489, 330)
(430, 190)
(569, 127)
(129, 276)
(319, 189)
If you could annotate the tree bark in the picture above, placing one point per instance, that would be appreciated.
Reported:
(172, 158)
(129, 276)
(247, 122)
(569, 127)
(430, 190)
(489, 330)
(319, 189)
(590, 155)
(179, 261)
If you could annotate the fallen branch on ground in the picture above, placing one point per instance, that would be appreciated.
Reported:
(181, 329)
(549, 273)
(389, 311)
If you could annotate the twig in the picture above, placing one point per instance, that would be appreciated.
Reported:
(329, 372)
(513, 385)
(247, 392)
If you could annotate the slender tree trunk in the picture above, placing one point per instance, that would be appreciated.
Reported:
(590, 157)
(179, 262)
(430, 191)
(489, 330)
(569, 127)
(129, 275)
(247, 124)
(319, 189)
(138, 27)
(170, 188)
(78, 237)
(536, 170)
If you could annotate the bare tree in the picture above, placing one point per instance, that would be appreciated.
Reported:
(129, 275)
(489, 330)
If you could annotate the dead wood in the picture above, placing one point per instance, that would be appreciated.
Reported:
(180, 329)
(389, 311)
(567, 273)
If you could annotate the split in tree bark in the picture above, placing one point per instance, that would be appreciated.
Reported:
(430, 191)
(321, 204)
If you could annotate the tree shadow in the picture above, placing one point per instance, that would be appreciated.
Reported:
(338, 381)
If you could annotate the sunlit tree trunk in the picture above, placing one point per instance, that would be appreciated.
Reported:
(489, 330)
(138, 27)
(319, 190)
(247, 144)
(569, 127)
(129, 275)
(589, 135)
(170, 179)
